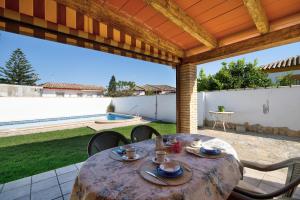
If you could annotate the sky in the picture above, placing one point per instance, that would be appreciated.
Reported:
(55, 62)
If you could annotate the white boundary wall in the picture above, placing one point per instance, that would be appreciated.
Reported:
(145, 106)
(27, 108)
(283, 104)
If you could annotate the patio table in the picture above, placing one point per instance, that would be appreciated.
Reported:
(102, 177)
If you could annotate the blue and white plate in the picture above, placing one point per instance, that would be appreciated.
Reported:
(210, 151)
(165, 174)
(120, 151)
(171, 169)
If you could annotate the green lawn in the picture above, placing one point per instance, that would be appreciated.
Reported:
(26, 155)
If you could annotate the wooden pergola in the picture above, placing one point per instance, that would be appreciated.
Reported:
(178, 33)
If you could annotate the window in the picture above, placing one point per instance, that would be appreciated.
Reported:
(60, 94)
(79, 94)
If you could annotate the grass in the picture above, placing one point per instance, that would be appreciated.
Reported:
(26, 155)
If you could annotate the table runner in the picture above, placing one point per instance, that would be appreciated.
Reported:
(102, 178)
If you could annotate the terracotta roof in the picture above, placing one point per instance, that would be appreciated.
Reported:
(72, 86)
(138, 88)
(156, 88)
(289, 62)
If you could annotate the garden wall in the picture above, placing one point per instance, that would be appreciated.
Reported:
(282, 108)
(26, 108)
(146, 106)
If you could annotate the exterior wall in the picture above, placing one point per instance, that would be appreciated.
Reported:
(275, 75)
(68, 93)
(8, 90)
(26, 108)
(146, 106)
(283, 104)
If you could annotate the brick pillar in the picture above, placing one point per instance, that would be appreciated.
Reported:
(186, 99)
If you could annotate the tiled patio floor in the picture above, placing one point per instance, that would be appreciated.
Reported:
(57, 184)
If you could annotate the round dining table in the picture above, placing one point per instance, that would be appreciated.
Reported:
(102, 177)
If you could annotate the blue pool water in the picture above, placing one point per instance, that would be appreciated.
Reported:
(61, 120)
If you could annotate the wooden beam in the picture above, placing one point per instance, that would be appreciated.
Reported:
(101, 12)
(258, 15)
(175, 14)
(250, 33)
(268, 40)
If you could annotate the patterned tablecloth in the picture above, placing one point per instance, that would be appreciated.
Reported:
(101, 177)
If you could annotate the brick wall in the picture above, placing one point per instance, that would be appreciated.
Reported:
(186, 98)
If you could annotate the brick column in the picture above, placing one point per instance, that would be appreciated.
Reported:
(186, 99)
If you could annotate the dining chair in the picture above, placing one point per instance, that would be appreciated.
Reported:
(105, 140)
(242, 191)
(143, 132)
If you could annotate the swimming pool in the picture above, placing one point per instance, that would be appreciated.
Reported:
(110, 117)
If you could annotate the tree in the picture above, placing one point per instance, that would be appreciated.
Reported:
(112, 87)
(18, 70)
(285, 80)
(202, 81)
(235, 75)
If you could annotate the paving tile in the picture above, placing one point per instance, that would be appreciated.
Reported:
(17, 183)
(15, 193)
(43, 176)
(44, 184)
(267, 188)
(67, 187)
(67, 197)
(27, 197)
(78, 165)
(70, 176)
(66, 169)
(273, 181)
(252, 180)
(47, 194)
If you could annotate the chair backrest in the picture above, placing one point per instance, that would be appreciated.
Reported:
(293, 174)
(105, 140)
(143, 132)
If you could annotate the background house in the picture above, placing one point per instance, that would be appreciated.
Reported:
(71, 90)
(153, 89)
(283, 67)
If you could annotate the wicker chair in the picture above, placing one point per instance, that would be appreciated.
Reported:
(286, 192)
(143, 132)
(105, 140)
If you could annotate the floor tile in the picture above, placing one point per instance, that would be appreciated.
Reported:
(66, 169)
(27, 197)
(70, 176)
(47, 194)
(78, 165)
(15, 193)
(67, 197)
(267, 188)
(252, 180)
(43, 176)
(67, 187)
(44, 184)
(17, 183)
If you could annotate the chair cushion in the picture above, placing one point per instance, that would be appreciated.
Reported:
(249, 188)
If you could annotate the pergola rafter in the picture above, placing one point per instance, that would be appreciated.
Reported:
(176, 15)
(258, 15)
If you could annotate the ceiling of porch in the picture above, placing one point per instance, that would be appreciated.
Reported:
(165, 31)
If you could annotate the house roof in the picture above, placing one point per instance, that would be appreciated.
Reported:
(283, 65)
(72, 86)
(155, 88)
